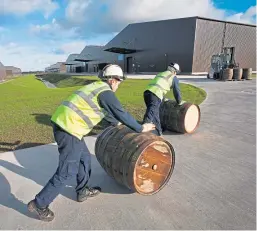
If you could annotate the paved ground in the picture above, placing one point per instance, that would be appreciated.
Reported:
(212, 187)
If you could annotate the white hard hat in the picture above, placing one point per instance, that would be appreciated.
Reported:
(112, 71)
(175, 66)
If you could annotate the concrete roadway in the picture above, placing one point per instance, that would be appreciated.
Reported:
(213, 185)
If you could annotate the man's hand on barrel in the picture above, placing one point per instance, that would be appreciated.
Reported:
(147, 127)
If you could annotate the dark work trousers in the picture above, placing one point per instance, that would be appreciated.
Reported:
(74, 161)
(152, 114)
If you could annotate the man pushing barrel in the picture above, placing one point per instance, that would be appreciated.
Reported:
(74, 119)
(155, 92)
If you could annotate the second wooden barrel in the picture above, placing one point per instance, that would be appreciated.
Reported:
(181, 119)
(143, 162)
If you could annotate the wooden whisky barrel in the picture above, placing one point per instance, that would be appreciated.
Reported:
(183, 118)
(247, 73)
(142, 162)
(237, 73)
(227, 74)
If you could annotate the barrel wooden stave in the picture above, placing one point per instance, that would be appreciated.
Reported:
(123, 156)
(122, 162)
(227, 74)
(113, 144)
(166, 115)
(237, 73)
(124, 153)
(247, 73)
(108, 133)
(172, 116)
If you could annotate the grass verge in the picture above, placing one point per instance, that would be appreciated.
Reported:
(26, 106)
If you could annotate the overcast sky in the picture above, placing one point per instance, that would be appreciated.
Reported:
(37, 33)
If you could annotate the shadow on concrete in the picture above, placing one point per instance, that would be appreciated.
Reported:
(39, 165)
(9, 200)
(44, 119)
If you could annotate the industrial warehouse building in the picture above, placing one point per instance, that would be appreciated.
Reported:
(12, 71)
(191, 42)
(73, 66)
(8, 72)
(151, 46)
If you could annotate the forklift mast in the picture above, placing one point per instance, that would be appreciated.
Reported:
(229, 57)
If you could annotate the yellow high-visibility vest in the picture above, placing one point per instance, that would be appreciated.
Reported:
(81, 111)
(161, 84)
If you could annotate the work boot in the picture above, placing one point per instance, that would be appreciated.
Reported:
(44, 214)
(87, 192)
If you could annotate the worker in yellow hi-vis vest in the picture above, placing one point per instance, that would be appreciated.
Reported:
(73, 120)
(155, 92)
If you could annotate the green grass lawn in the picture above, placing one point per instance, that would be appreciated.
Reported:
(254, 75)
(26, 106)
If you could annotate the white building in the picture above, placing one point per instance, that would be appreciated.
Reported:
(2, 72)
(12, 71)
(58, 67)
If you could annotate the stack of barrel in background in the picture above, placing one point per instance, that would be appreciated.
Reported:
(235, 74)
(142, 162)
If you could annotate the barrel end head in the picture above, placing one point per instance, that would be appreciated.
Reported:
(154, 167)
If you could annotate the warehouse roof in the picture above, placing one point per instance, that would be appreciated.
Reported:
(198, 17)
(12, 68)
(90, 53)
(217, 20)
(71, 59)
(55, 66)
(94, 54)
